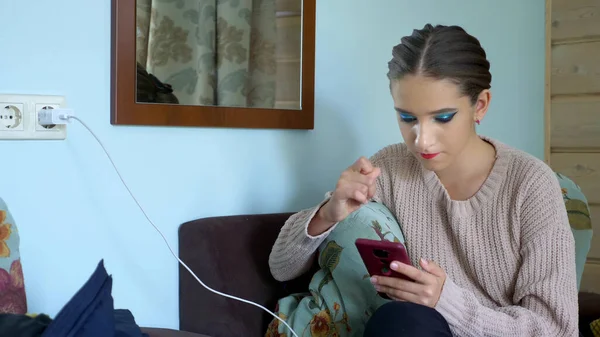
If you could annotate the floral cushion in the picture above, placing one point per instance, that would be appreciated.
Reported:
(595, 327)
(341, 299)
(579, 219)
(12, 287)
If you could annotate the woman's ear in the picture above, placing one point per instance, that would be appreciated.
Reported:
(482, 104)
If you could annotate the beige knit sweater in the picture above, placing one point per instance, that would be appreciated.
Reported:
(508, 251)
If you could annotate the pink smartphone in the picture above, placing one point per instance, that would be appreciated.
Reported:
(378, 255)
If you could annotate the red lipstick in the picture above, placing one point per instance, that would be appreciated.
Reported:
(429, 155)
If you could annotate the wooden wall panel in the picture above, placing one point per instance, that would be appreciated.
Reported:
(547, 78)
(575, 19)
(576, 123)
(576, 68)
(583, 169)
(572, 107)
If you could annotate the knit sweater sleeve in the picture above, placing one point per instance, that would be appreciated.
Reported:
(294, 250)
(545, 296)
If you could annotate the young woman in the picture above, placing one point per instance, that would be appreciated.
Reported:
(485, 222)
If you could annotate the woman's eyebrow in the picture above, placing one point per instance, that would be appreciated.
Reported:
(436, 112)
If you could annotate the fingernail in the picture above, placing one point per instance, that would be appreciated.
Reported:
(373, 280)
(425, 262)
(394, 265)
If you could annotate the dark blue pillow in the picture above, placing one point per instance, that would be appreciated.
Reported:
(90, 313)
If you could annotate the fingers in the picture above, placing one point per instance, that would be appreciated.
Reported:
(432, 267)
(353, 190)
(426, 288)
(396, 283)
(412, 272)
(398, 294)
(373, 187)
(399, 289)
(362, 165)
(357, 186)
(352, 176)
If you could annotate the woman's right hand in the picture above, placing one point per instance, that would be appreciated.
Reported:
(355, 188)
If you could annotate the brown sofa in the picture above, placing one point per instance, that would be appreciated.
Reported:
(230, 254)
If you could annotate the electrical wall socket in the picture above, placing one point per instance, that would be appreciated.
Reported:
(39, 108)
(11, 116)
(19, 117)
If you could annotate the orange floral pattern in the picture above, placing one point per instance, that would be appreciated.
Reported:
(323, 324)
(273, 328)
(320, 325)
(5, 232)
(12, 286)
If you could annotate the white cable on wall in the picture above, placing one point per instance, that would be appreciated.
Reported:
(69, 117)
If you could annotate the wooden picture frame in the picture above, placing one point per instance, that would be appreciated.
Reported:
(125, 110)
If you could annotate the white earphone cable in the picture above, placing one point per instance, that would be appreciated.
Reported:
(67, 117)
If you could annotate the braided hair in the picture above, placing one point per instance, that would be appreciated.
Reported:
(443, 52)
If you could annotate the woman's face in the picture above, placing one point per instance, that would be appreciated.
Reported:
(437, 122)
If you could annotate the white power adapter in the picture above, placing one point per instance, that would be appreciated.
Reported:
(54, 116)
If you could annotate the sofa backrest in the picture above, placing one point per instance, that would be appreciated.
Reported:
(230, 254)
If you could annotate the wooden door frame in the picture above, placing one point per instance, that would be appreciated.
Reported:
(547, 84)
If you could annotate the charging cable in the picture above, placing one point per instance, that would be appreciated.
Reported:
(60, 117)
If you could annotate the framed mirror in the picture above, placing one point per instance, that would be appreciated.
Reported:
(213, 63)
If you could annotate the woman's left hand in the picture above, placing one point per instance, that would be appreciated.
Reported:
(425, 289)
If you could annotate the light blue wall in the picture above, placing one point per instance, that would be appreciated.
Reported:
(72, 210)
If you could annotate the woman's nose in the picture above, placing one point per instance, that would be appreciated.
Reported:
(425, 136)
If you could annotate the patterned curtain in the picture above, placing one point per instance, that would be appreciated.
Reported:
(212, 52)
